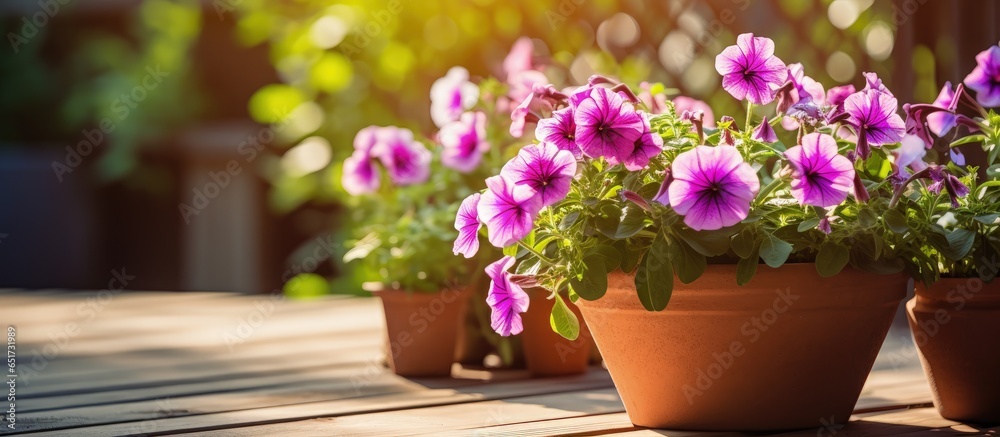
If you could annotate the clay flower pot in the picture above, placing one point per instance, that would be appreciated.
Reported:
(546, 352)
(422, 330)
(789, 350)
(956, 326)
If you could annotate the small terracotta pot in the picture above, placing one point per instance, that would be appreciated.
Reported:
(546, 352)
(789, 350)
(956, 325)
(422, 330)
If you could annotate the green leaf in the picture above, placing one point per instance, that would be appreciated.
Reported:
(630, 257)
(746, 268)
(774, 251)
(867, 218)
(807, 224)
(744, 243)
(633, 219)
(896, 221)
(569, 220)
(563, 321)
(969, 139)
(987, 262)
(528, 266)
(709, 243)
(831, 259)
(511, 250)
(654, 281)
(612, 257)
(988, 219)
(993, 171)
(687, 262)
(592, 284)
(607, 222)
(960, 242)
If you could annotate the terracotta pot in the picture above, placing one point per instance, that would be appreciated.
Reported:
(789, 350)
(422, 330)
(546, 352)
(956, 326)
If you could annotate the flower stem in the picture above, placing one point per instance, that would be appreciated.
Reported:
(899, 191)
(769, 188)
(538, 254)
(749, 117)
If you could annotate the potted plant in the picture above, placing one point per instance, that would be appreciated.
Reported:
(955, 315)
(405, 223)
(657, 226)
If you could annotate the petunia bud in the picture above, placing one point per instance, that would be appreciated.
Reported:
(786, 97)
(765, 133)
(635, 198)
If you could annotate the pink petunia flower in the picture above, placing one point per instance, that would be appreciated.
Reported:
(985, 78)
(559, 129)
(820, 175)
(645, 148)
(406, 160)
(464, 142)
(507, 300)
(873, 116)
(712, 187)
(606, 124)
(508, 210)
(750, 70)
(543, 167)
(467, 224)
(452, 95)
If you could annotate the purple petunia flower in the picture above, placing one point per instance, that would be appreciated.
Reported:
(820, 175)
(467, 224)
(956, 156)
(606, 125)
(543, 167)
(507, 300)
(406, 160)
(942, 179)
(942, 122)
(750, 70)
(645, 148)
(685, 103)
(360, 175)
(910, 153)
(464, 142)
(835, 96)
(537, 104)
(765, 133)
(873, 116)
(560, 129)
(712, 187)
(873, 82)
(451, 95)
(508, 210)
(985, 78)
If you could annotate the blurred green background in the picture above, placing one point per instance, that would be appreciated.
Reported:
(325, 69)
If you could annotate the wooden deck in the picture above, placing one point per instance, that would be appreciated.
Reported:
(228, 364)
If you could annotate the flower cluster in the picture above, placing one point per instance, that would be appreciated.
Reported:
(406, 160)
(626, 180)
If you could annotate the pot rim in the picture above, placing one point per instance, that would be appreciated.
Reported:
(716, 291)
(942, 288)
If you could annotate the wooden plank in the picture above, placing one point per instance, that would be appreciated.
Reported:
(423, 398)
(169, 365)
(460, 418)
(80, 394)
(276, 390)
